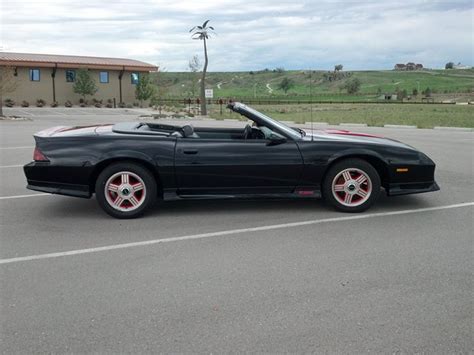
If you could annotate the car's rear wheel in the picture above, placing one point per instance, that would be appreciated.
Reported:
(351, 185)
(125, 190)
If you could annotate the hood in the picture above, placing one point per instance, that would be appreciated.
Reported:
(352, 137)
(67, 131)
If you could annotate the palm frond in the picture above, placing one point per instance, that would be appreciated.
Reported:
(192, 29)
(205, 23)
(212, 28)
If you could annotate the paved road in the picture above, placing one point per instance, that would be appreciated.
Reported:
(258, 281)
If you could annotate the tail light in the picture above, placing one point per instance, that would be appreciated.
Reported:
(38, 155)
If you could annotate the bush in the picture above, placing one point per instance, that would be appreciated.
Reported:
(109, 105)
(9, 103)
(121, 104)
(352, 86)
(68, 103)
(54, 104)
(40, 102)
(136, 104)
(129, 106)
(25, 103)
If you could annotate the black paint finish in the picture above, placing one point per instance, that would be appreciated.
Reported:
(268, 160)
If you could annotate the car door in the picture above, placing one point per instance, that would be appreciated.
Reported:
(232, 166)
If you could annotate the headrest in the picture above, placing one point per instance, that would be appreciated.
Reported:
(188, 130)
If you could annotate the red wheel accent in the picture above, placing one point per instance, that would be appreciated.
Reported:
(351, 187)
(125, 191)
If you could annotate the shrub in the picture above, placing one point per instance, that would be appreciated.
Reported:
(54, 104)
(121, 104)
(25, 103)
(136, 104)
(9, 103)
(98, 105)
(109, 105)
(129, 106)
(40, 102)
(68, 103)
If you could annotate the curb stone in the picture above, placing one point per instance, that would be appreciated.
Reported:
(353, 124)
(461, 129)
(398, 126)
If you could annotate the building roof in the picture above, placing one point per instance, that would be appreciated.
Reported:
(72, 61)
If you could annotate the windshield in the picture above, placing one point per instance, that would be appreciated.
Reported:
(294, 133)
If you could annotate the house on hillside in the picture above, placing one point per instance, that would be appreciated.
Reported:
(460, 66)
(409, 66)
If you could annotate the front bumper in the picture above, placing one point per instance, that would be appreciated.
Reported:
(411, 188)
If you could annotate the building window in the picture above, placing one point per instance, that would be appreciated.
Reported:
(134, 77)
(34, 75)
(70, 76)
(104, 77)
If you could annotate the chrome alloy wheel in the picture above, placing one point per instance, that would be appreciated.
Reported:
(351, 187)
(125, 191)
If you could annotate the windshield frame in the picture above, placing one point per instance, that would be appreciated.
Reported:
(265, 120)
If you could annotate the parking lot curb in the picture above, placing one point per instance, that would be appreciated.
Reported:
(353, 124)
(461, 129)
(399, 126)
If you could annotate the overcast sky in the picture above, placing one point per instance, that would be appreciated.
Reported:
(251, 35)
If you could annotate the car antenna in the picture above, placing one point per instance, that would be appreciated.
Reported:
(311, 101)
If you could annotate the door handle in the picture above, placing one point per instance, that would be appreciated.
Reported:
(190, 151)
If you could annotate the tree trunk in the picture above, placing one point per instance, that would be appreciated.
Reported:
(203, 82)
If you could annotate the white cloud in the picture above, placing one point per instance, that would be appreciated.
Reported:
(250, 35)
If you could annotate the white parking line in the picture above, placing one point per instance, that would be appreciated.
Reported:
(10, 166)
(24, 147)
(22, 196)
(227, 232)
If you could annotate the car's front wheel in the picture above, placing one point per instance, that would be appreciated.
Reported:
(125, 190)
(352, 185)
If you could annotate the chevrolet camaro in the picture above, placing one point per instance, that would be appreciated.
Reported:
(129, 165)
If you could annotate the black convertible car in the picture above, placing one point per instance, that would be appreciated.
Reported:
(129, 165)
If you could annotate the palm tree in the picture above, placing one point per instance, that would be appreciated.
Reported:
(203, 33)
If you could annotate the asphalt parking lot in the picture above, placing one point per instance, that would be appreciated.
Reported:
(221, 276)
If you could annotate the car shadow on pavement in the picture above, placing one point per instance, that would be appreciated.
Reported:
(80, 208)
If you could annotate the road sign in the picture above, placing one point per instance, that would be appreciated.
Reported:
(209, 93)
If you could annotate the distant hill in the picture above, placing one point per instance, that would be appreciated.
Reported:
(264, 84)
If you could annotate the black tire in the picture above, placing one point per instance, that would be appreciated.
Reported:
(337, 185)
(134, 200)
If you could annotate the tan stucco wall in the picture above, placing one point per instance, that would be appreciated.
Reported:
(43, 89)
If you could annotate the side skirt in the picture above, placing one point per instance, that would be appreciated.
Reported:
(299, 193)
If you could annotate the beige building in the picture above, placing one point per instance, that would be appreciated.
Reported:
(51, 77)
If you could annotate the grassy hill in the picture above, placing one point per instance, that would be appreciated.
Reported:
(264, 84)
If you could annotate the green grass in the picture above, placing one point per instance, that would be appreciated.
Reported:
(247, 85)
(423, 116)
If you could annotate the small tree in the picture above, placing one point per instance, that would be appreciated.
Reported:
(449, 65)
(194, 66)
(144, 90)
(286, 84)
(352, 86)
(8, 84)
(84, 84)
(415, 92)
(427, 92)
(338, 67)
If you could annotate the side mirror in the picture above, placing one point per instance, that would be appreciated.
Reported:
(275, 140)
